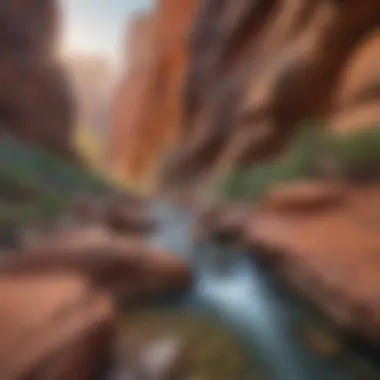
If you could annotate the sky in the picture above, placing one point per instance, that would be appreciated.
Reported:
(98, 26)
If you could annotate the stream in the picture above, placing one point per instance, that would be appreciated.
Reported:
(231, 286)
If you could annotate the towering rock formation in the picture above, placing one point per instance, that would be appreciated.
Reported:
(35, 101)
(131, 99)
(148, 105)
(259, 68)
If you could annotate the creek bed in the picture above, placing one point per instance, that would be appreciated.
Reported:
(282, 336)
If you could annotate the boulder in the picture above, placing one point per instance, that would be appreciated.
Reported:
(126, 267)
(52, 235)
(304, 197)
(129, 215)
(68, 334)
(123, 214)
(224, 222)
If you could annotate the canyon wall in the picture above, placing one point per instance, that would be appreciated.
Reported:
(148, 103)
(258, 69)
(130, 103)
(35, 99)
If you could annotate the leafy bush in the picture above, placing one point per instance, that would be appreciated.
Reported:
(302, 160)
(35, 184)
(359, 148)
(39, 168)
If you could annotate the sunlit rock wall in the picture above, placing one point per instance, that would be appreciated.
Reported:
(149, 102)
(132, 94)
(259, 69)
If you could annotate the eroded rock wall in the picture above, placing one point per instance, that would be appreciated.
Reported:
(148, 105)
(293, 229)
(35, 98)
(130, 103)
(259, 69)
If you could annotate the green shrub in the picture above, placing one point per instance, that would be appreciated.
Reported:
(302, 160)
(37, 166)
(37, 185)
(359, 148)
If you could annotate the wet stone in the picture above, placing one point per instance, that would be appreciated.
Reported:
(205, 350)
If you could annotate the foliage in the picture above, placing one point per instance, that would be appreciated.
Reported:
(301, 160)
(39, 168)
(359, 148)
(47, 181)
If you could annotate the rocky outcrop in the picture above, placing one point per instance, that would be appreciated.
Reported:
(35, 99)
(78, 276)
(329, 253)
(258, 69)
(148, 105)
(226, 222)
(123, 214)
(67, 336)
(126, 267)
(130, 104)
(304, 197)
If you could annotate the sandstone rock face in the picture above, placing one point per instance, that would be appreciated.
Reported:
(258, 69)
(148, 106)
(330, 254)
(304, 197)
(53, 327)
(35, 99)
(127, 268)
(74, 274)
(131, 97)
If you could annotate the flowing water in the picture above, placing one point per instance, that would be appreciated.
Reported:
(231, 287)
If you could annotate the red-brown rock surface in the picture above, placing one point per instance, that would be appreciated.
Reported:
(123, 214)
(35, 99)
(258, 69)
(129, 215)
(148, 107)
(130, 104)
(53, 327)
(304, 197)
(225, 222)
(58, 291)
(126, 267)
(331, 254)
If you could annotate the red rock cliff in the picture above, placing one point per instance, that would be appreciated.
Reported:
(148, 105)
(35, 101)
(258, 69)
(130, 103)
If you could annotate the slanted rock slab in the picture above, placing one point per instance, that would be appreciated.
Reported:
(53, 327)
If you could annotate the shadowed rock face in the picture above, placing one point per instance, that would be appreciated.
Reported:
(35, 99)
(258, 69)
(125, 266)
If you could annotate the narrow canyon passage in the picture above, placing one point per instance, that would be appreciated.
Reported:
(234, 288)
